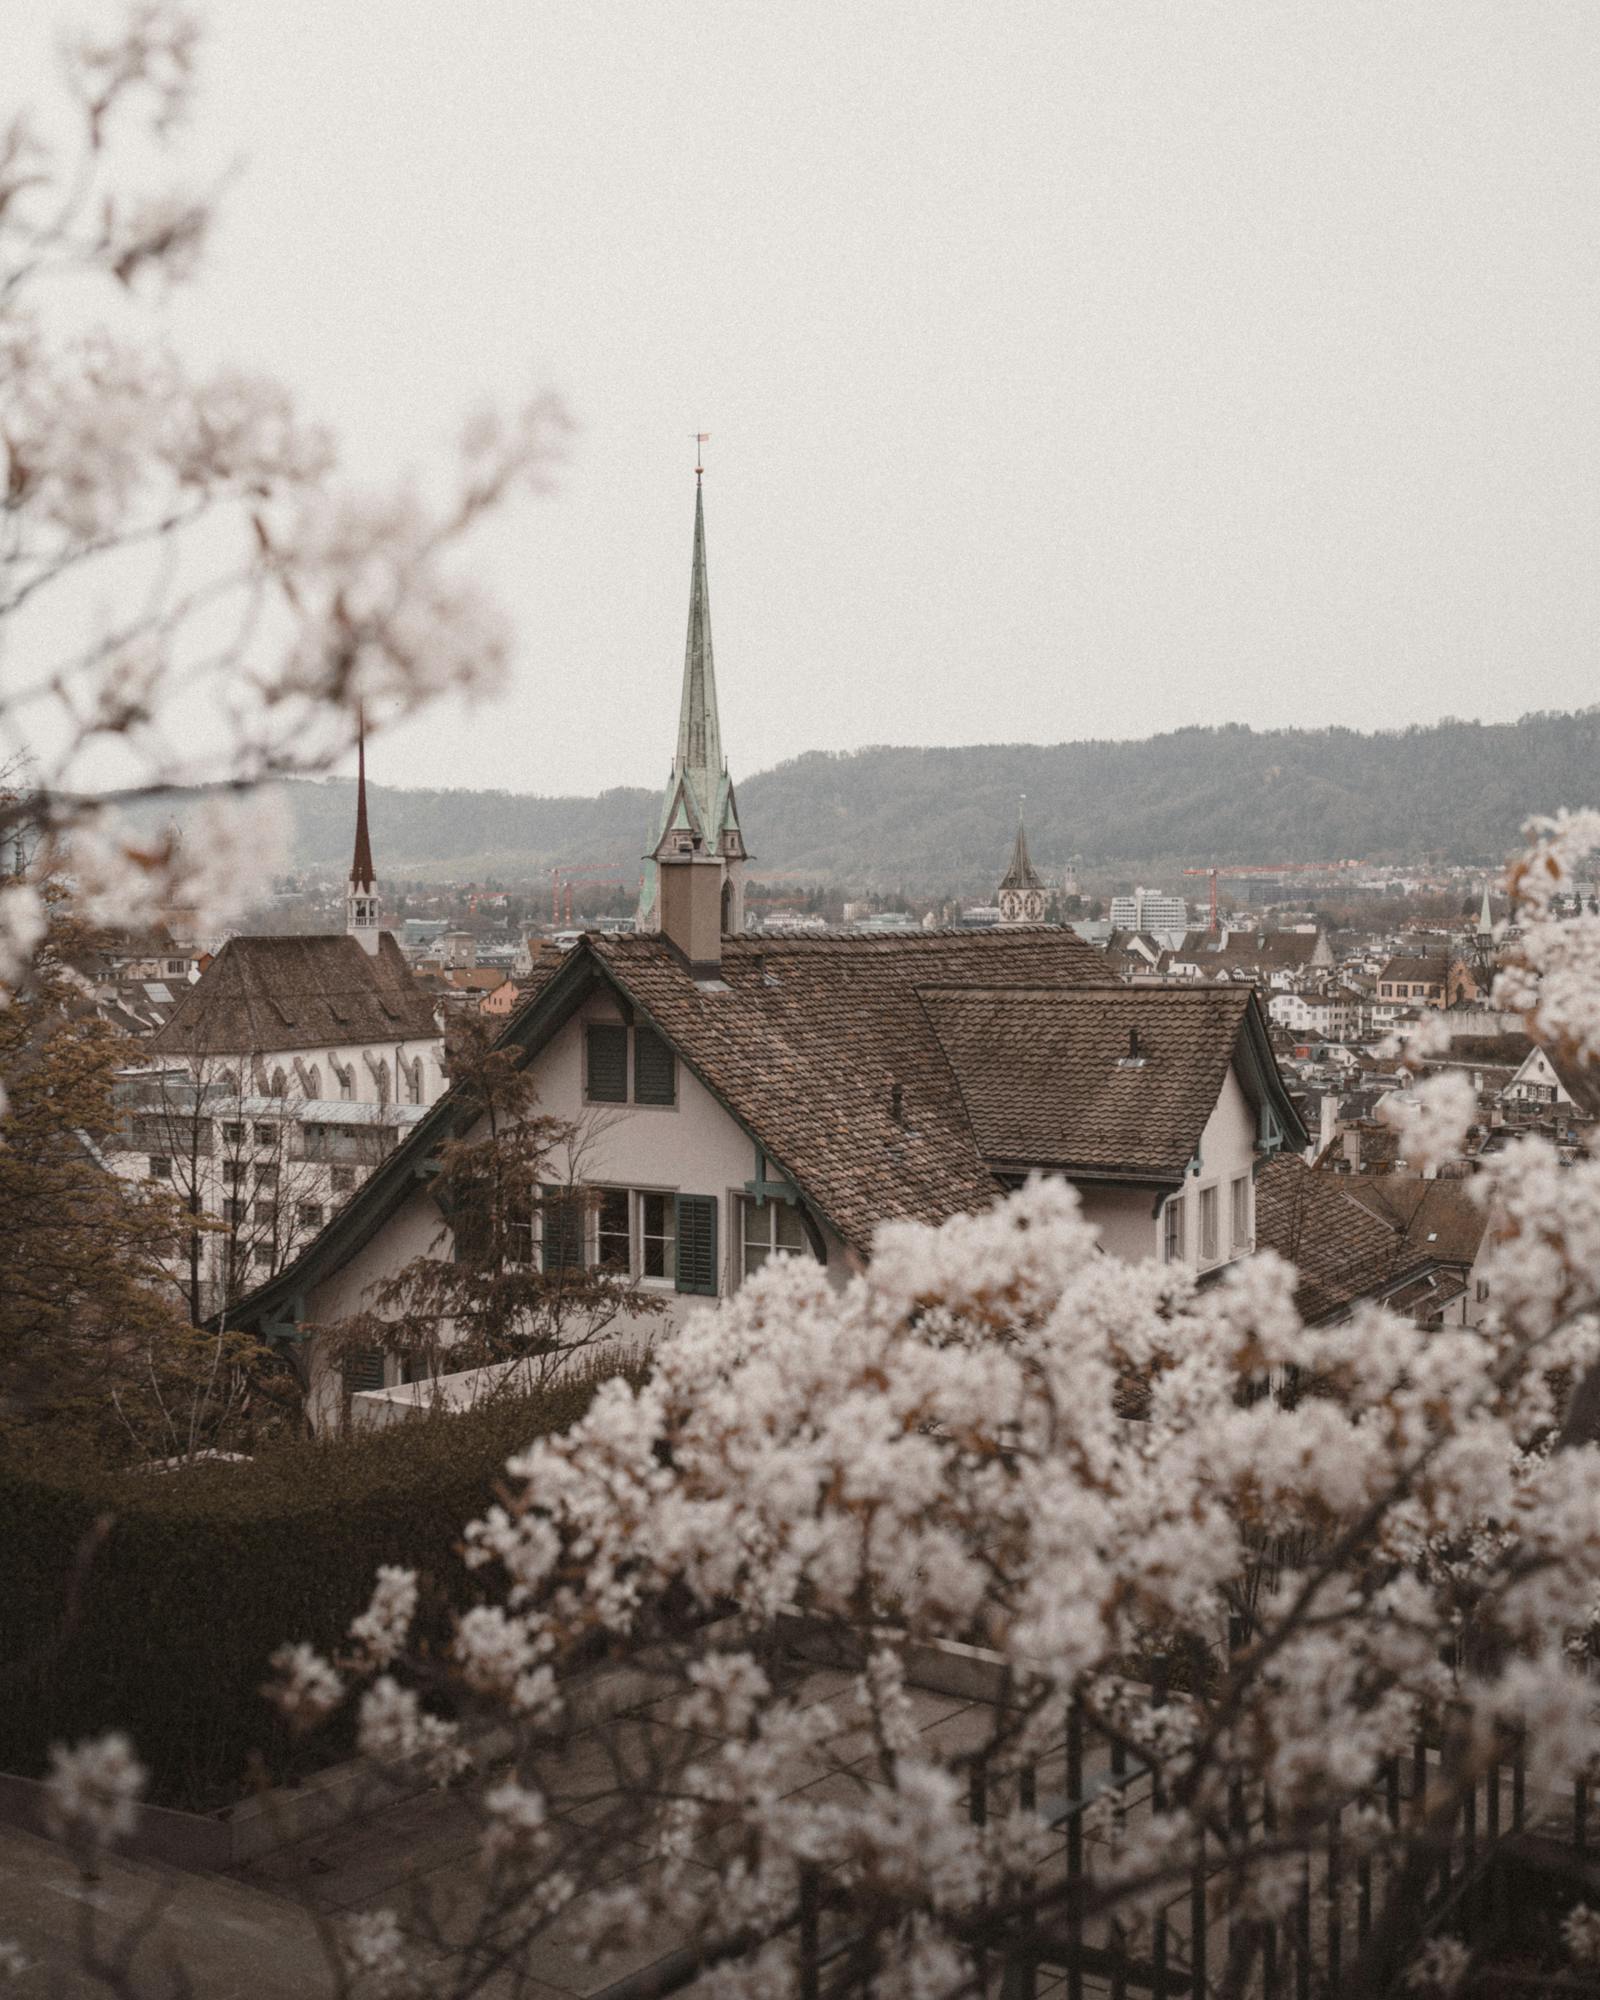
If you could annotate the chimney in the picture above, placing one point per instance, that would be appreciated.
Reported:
(691, 904)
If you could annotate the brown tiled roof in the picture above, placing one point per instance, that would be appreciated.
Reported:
(1117, 1081)
(1278, 951)
(1342, 1251)
(1510, 1050)
(305, 992)
(1433, 1221)
(1434, 969)
(805, 1039)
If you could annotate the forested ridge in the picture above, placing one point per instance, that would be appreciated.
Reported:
(906, 817)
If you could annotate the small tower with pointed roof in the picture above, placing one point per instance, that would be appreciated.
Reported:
(699, 814)
(362, 904)
(1022, 893)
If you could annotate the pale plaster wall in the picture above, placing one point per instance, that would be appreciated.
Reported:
(1126, 1221)
(1129, 1229)
(691, 1147)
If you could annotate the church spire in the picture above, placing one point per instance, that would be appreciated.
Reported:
(1022, 893)
(699, 814)
(361, 898)
(362, 873)
(699, 732)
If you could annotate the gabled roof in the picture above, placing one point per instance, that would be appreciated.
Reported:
(824, 1049)
(810, 1036)
(306, 992)
(1117, 1082)
(1433, 1221)
(1277, 951)
(1433, 969)
(1341, 1250)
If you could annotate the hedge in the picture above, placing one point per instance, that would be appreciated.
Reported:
(200, 1575)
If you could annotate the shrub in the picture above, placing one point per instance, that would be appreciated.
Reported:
(152, 1603)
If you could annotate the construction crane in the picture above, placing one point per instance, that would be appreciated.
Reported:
(1265, 868)
(562, 879)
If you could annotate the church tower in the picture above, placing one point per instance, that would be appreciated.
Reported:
(1022, 894)
(361, 900)
(699, 815)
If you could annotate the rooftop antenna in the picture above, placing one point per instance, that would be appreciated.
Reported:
(701, 440)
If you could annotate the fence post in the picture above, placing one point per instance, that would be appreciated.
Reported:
(1269, 1933)
(1197, 1914)
(810, 1957)
(1158, 1803)
(1519, 1785)
(1020, 1978)
(1075, 1850)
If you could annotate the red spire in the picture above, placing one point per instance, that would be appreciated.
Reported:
(362, 872)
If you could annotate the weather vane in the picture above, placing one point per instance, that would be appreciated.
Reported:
(701, 438)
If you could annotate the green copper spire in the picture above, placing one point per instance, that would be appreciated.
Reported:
(699, 797)
(699, 733)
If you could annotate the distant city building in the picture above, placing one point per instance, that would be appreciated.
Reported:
(1150, 910)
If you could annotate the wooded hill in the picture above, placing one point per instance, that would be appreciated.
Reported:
(924, 820)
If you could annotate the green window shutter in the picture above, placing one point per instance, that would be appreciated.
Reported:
(697, 1244)
(563, 1229)
(364, 1369)
(655, 1069)
(607, 1081)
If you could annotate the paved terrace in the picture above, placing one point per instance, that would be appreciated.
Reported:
(260, 1932)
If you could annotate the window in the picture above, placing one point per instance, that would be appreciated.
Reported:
(261, 1256)
(613, 1234)
(267, 1175)
(233, 1135)
(347, 1079)
(772, 1229)
(657, 1219)
(1172, 1230)
(266, 1135)
(266, 1211)
(1208, 1225)
(160, 1167)
(606, 1045)
(655, 1070)
(342, 1179)
(233, 1212)
(308, 1214)
(697, 1244)
(563, 1229)
(314, 1081)
(1241, 1212)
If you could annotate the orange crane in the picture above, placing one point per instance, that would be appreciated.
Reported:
(1266, 868)
(563, 879)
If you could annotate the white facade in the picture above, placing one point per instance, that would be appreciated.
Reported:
(261, 1173)
(653, 1154)
(1331, 1015)
(1207, 1223)
(1150, 910)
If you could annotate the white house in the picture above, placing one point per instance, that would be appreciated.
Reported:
(281, 1078)
(743, 1097)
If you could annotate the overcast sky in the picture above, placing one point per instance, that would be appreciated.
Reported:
(1082, 368)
